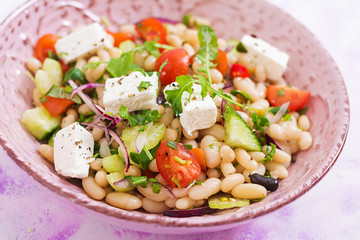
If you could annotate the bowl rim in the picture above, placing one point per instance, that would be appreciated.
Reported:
(164, 221)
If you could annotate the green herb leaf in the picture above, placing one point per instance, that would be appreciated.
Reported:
(163, 65)
(156, 187)
(74, 74)
(188, 146)
(86, 117)
(241, 48)
(59, 92)
(171, 144)
(286, 117)
(92, 65)
(303, 111)
(143, 159)
(140, 118)
(218, 170)
(52, 55)
(259, 122)
(144, 85)
(121, 66)
(281, 92)
(270, 153)
(199, 182)
(137, 181)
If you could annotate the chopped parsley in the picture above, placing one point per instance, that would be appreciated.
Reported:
(144, 86)
(270, 153)
(259, 122)
(241, 48)
(171, 144)
(281, 92)
(140, 118)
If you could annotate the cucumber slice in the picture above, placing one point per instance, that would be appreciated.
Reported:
(233, 42)
(42, 81)
(115, 177)
(54, 71)
(154, 134)
(126, 46)
(39, 122)
(237, 133)
(224, 201)
(113, 163)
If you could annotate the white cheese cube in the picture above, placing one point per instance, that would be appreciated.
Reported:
(125, 91)
(198, 113)
(274, 60)
(73, 149)
(85, 40)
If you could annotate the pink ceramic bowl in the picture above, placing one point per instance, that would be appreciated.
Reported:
(310, 67)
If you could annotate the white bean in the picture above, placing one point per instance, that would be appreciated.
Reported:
(249, 191)
(153, 206)
(123, 200)
(229, 182)
(205, 190)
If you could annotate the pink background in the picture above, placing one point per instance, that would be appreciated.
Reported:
(331, 210)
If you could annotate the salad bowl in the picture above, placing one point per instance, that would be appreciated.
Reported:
(310, 67)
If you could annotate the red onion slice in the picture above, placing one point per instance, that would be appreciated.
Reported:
(87, 100)
(85, 86)
(166, 20)
(140, 141)
(124, 183)
(189, 212)
(282, 111)
(123, 148)
(269, 140)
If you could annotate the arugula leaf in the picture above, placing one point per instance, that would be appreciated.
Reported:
(244, 94)
(89, 117)
(151, 48)
(74, 74)
(241, 48)
(208, 49)
(185, 85)
(144, 85)
(270, 153)
(259, 122)
(59, 92)
(303, 111)
(171, 144)
(121, 66)
(92, 65)
(143, 159)
(140, 118)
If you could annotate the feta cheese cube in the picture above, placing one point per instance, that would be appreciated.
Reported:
(125, 91)
(85, 40)
(73, 149)
(274, 60)
(198, 113)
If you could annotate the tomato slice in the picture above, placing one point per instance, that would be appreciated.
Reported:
(179, 167)
(44, 44)
(177, 64)
(278, 95)
(119, 37)
(238, 70)
(57, 106)
(222, 63)
(150, 29)
(199, 154)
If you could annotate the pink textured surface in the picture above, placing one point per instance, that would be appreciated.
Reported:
(316, 66)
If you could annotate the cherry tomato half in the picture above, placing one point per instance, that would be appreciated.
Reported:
(56, 106)
(44, 44)
(151, 28)
(278, 95)
(178, 167)
(238, 70)
(222, 63)
(120, 37)
(177, 64)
